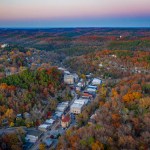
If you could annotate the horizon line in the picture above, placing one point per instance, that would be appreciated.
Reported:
(69, 27)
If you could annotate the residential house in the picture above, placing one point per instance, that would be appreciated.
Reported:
(96, 81)
(33, 135)
(44, 127)
(48, 142)
(65, 121)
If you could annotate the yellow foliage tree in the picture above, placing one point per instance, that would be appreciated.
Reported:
(131, 96)
(11, 124)
(42, 146)
(97, 146)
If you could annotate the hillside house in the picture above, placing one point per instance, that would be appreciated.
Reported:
(65, 121)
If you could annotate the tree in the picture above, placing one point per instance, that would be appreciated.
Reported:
(42, 146)
(97, 146)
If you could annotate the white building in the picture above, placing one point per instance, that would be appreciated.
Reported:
(78, 105)
(50, 121)
(66, 72)
(81, 101)
(44, 127)
(58, 114)
(69, 79)
(76, 77)
(96, 81)
(76, 108)
(4, 45)
(91, 90)
(92, 86)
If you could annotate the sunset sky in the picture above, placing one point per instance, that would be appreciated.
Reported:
(74, 13)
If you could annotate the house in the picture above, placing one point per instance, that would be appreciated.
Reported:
(50, 121)
(33, 135)
(48, 142)
(19, 116)
(92, 86)
(26, 115)
(66, 72)
(44, 127)
(58, 114)
(76, 77)
(65, 121)
(82, 101)
(91, 90)
(96, 81)
(4, 45)
(87, 95)
(100, 65)
(78, 88)
(62, 106)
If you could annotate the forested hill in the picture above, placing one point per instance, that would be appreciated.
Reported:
(77, 41)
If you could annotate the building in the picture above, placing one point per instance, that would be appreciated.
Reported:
(96, 81)
(58, 114)
(93, 87)
(26, 115)
(78, 105)
(18, 116)
(44, 127)
(82, 101)
(66, 72)
(78, 88)
(76, 108)
(62, 106)
(50, 121)
(33, 135)
(76, 77)
(87, 95)
(48, 142)
(4, 45)
(91, 90)
(65, 121)
(69, 79)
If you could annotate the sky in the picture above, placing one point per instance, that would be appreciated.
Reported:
(74, 13)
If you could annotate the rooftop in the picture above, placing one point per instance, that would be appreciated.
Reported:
(44, 126)
(34, 132)
(76, 105)
(50, 121)
(65, 118)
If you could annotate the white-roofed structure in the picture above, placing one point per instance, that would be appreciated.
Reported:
(50, 121)
(69, 79)
(81, 101)
(76, 108)
(78, 105)
(66, 72)
(44, 127)
(58, 114)
(91, 90)
(96, 81)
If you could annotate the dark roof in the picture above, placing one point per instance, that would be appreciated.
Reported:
(34, 132)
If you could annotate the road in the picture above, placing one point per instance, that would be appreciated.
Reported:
(54, 127)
